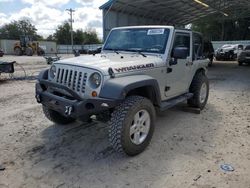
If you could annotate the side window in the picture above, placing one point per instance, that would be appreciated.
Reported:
(197, 46)
(240, 47)
(182, 40)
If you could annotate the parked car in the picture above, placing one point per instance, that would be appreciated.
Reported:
(208, 52)
(1, 52)
(228, 52)
(126, 86)
(244, 56)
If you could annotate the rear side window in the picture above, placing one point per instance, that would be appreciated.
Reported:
(197, 46)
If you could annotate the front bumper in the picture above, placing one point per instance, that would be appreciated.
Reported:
(73, 106)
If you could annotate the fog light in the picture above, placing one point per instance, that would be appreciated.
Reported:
(94, 94)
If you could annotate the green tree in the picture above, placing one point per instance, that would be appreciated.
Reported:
(90, 36)
(217, 27)
(50, 38)
(14, 29)
(63, 35)
(78, 37)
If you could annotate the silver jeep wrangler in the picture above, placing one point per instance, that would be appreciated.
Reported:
(141, 70)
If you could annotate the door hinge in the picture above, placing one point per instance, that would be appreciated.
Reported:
(167, 88)
(169, 70)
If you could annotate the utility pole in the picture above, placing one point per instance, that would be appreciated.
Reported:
(71, 25)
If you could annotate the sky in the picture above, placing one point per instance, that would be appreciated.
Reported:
(46, 15)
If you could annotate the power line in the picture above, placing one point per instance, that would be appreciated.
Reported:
(71, 25)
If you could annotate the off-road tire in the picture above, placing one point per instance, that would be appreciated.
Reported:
(120, 122)
(18, 51)
(40, 51)
(56, 117)
(195, 88)
(29, 51)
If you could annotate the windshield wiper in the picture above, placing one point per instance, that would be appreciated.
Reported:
(112, 50)
(139, 52)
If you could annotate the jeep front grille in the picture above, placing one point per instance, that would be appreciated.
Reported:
(73, 79)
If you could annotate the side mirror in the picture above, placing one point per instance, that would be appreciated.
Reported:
(180, 53)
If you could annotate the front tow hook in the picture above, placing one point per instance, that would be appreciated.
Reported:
(38, 98)
(68, 110)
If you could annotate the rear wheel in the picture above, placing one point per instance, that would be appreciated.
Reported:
(40, 51)
(132, 125)
(18, 51)
(56, 117)
(200, 89)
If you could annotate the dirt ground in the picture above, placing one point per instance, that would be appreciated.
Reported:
(186, 151)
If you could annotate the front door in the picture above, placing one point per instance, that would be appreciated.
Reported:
(177, 75)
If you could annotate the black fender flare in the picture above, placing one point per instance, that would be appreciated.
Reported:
(118, 88)
(201, 70)
(43, 75)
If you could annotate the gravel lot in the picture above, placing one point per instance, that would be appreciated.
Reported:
(187, 149)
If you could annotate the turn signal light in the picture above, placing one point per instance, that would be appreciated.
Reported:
(94, 94)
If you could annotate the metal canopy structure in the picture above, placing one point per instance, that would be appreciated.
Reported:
(168, 12)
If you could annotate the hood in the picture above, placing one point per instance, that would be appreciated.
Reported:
(119, 63)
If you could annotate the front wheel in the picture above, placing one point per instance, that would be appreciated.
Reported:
(29, 51)
(132, 125)
(56, 117)
(200, 89)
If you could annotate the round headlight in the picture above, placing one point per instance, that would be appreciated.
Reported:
(95, 80)
(52, 71)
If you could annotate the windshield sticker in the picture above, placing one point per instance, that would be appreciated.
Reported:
(135, 67)
(155, 31)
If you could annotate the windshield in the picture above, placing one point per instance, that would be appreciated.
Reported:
(152, 40)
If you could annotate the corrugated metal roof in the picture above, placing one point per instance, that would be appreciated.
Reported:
(179, 11)
(107, 4)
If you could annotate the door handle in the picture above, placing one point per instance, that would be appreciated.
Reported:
(169, 70)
